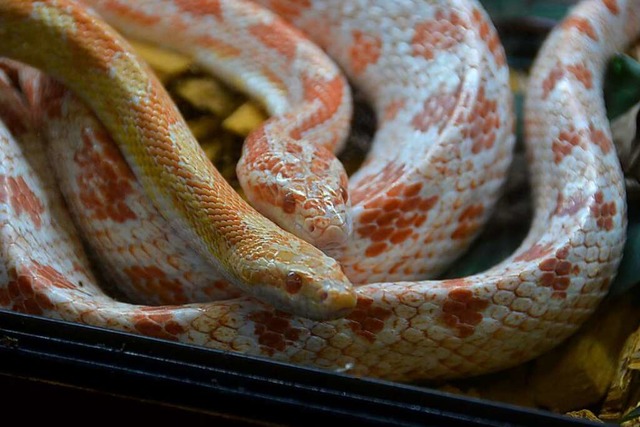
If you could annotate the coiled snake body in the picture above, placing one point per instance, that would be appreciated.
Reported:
(436, 74)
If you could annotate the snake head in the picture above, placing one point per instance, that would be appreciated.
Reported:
(298, 278)
(300, 187)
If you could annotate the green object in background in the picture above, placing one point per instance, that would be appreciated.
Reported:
(551, 9)
(621, 85)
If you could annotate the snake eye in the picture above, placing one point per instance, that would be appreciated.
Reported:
(344, 194)
(293, 282)
(289, 203)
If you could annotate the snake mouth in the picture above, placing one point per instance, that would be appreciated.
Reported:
(326, 234)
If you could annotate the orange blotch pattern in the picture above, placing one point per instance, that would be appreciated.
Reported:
(137, 16)
(152, 280)
(603, 211)
(462, 311)
(582, 74)
(557, 272)
(289, 9)
(222, 49)
(489, 34)
(27, 292)
(278, 37)
(157, 322)
(579, 71)
(274, 330)
(366, 319)
(549, 83)
(329, 93)
(563, 144)
(16, 192)
(392, 109)
(200, 7)
(365, 50)
(536, 251)
(481, 122)
(599, 138)
(469, 222)
(440, 33)
(395, 216)
(582, 25)
(612, 5)
(434, 111)
(105, 179)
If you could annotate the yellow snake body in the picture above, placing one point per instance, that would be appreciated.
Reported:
(99, 65)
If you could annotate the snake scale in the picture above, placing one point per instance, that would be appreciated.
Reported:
(436, 74)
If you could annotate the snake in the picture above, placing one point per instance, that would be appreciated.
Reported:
(436, 73)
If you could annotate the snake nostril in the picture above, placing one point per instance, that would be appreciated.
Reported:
(312, 228)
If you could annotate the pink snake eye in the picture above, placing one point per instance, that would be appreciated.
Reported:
(293, 282)
(344, 194)
(289, 203)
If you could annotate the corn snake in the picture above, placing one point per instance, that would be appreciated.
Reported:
(403, 330)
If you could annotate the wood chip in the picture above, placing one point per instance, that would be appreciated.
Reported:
(165, 63)
(206, 94)
(578, 373)
(584, 414)
(624, 392)
(245, 119)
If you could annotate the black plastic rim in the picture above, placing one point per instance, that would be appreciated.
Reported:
(226, 383)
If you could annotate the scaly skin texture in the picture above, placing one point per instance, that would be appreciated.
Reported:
(399, 330)
(250, 251)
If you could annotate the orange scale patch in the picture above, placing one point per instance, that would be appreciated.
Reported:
(434, 111)
(469, 222)
(612, 5)
(27, 292)
(439, 34)
(274, 330)
(462, 311)
(329, 93)
(482, 122)
(104, 179)
(582, 25)
(376, 249)
(365, 50)
(277, 37)
(557, 272)
(603, 212)
(200, 7)
(16, 192)
(535, 252)
(392, 109)
(549, 83)
(154, 281)
(375, 184)
(400, 236)
(599, 138)
(563, 144)
(582, 74)
(289, 9)
(367, 320)
(489, 34)
(154, 323)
